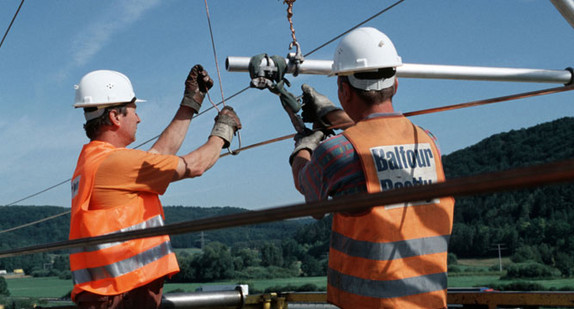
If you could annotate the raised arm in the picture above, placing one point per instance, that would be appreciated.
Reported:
(195, 163)
(197, 84)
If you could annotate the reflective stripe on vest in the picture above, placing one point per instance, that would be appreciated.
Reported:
(390, 250)
(122, 267)
(152, 222)
(387, 289)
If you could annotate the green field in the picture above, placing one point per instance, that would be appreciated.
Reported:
(49, 287)
(476, 273)
(53, 287)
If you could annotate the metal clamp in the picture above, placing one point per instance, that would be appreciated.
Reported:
(295, 58)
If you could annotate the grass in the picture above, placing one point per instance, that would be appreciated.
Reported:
(52, 287)
(48, 287)
(471, 281)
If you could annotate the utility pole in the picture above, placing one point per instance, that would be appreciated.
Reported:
(202, 241)
(500, 256)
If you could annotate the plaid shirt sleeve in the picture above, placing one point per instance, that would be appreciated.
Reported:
(334, 170)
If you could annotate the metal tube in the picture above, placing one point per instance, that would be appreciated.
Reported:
(566, 8)
(484, 73)
(202, 300)
(319, 67)
(408, 70)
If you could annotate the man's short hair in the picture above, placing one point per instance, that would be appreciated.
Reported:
(94, 126)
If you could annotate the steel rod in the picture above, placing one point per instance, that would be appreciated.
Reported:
(470, 185)
(202, 300)
(430, 71)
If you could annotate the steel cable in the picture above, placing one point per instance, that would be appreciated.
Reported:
(11, 23)
(438, 109)
(542, 174)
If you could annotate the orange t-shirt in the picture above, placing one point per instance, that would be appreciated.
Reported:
(126, 173)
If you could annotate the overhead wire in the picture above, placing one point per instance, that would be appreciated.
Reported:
(517, 96)
(11, 23)
(355, 27)
(35, 222)
(519, 178)
(230, 97)
(214, 56)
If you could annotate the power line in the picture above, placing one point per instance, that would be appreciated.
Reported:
(355, 27)
(436, 110)
(35, 222)
(519, 178)
(40, 192)
(12, 22)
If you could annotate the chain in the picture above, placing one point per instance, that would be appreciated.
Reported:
(289, 16)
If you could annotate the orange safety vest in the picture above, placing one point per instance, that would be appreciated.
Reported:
(394, 256)
(114, 268)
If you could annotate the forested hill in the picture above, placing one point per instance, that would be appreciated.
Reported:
(537, 223)
(57, 229)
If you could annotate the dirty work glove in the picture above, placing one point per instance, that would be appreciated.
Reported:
(226, 124)
(307, 140)
(197, 84)
(316, 106)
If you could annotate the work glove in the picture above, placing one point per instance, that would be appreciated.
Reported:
(316, 106)
(309, 140)
(226, 124)
(197, 84)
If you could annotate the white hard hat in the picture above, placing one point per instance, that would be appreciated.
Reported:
(364, 49)
(101, 89)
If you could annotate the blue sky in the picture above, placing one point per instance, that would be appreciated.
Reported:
(52, 44)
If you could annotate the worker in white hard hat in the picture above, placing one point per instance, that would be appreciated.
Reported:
(388, 256)
(116, 189)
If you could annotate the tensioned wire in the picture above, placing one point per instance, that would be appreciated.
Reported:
(11, 23)
(223, 100)
(542, 174)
